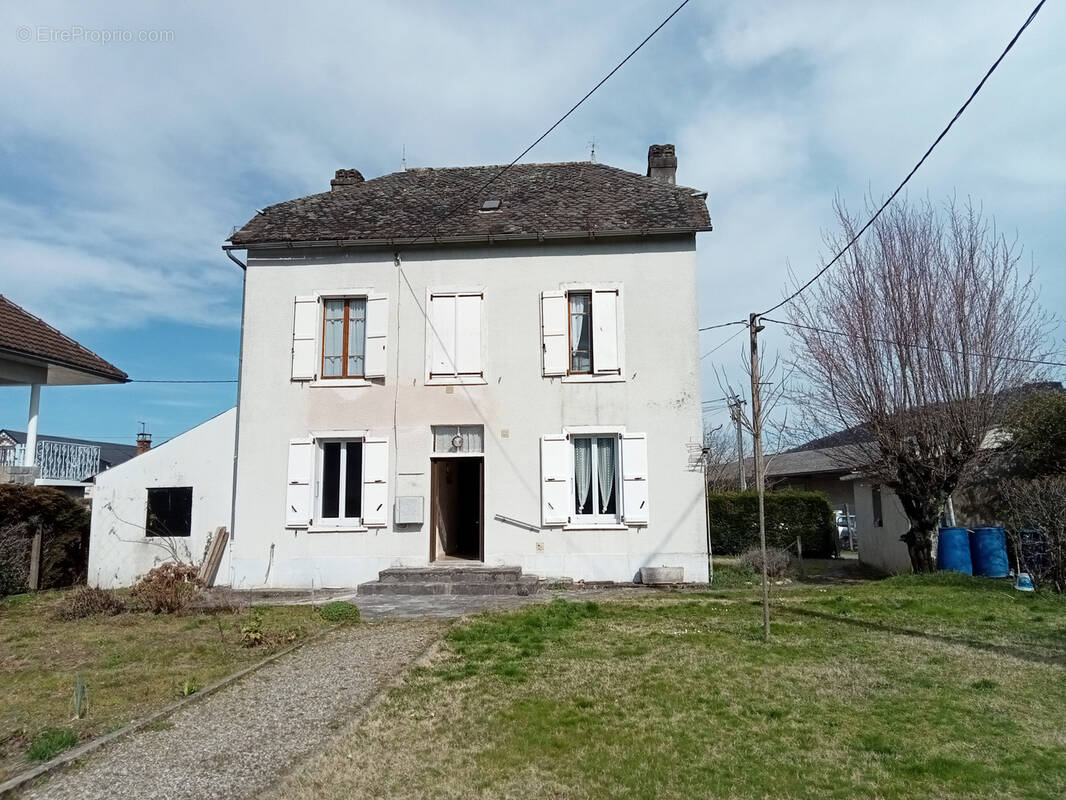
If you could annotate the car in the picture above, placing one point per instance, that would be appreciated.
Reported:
(848, 539)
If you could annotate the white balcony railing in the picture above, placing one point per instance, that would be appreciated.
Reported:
(57, 461)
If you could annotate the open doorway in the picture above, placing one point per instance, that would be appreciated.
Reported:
(456, 509)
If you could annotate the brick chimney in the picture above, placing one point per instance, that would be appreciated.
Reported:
(144, 442)
(662, 163)
(346, 177)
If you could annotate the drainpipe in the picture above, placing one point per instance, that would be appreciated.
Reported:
(237, 419)
(29, 458)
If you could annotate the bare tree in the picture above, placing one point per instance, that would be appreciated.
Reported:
(917, 337)
(720, 452)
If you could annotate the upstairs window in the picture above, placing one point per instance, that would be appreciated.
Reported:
(453, 337)
(344, 338)
(581, 332)
(169, 512)
(580, 304)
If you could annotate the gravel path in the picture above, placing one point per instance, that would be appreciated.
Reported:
(238, 741)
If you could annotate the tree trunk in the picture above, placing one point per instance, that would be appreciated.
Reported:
(920, 548)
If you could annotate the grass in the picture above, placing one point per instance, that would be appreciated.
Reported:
(131, 664)
(943, 687)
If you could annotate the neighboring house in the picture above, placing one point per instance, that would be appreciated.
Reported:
(63, 462)
(822, 470)
(34, 354)
(165, 503)
(515, 383)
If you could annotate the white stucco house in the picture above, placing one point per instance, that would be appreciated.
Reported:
(172, 497)
(442, 367)
(434, 372)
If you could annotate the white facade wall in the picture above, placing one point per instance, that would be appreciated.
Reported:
(881, 547)
(119, 551)
(658, 394)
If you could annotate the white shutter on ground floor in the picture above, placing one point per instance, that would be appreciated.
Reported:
(635, 478)
(298, 487)
(605, 347)
(554, 320)
(375, 482)
(556, 469)
(304, 336)
(377, 328)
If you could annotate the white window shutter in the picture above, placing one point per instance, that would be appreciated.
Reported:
(556, 467)
(375, 482)
(377, 328)
(605, 353)
(635, 478)
(554, 320)
(442, 334)
(468, 334)
(298, 488)
(304, 335)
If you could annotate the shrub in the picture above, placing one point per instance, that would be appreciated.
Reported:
(168, 588)
(89, 601)
(340, 611)
(734, 520)
(252, 630)
(778, 564)
(1036, 522)
(63, 523)
(50, 743)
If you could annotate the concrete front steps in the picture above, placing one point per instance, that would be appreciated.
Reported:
(452, 579)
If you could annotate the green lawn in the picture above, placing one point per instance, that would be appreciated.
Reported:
(130, 665)
(942, 687)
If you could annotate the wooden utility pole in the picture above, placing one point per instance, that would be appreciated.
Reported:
(756, 434)
(734, 414)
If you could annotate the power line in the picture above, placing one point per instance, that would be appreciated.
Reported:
(919, 346)
(723, 325)
(555, 125)
(723, 344)
(914, 169)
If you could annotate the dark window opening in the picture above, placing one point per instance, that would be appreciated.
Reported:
(879, 520)
(169, 512)
(342, 480)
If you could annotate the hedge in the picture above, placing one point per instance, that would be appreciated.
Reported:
(64, 526)
(734, 519)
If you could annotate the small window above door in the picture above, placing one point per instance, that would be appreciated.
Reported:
(458, 440)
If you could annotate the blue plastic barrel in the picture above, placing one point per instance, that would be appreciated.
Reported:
(953, 550)
(988, 552)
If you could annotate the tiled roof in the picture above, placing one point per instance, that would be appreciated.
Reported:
(535, 200)
(23, 334)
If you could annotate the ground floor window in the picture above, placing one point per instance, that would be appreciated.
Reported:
(340, 482)
(596, 477)
(169, 512)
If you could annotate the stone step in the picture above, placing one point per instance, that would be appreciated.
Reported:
(450, 574)
(522, 585)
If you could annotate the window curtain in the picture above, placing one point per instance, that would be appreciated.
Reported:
(333, 346)
(472, 438)
(606, 462)
(582, 472)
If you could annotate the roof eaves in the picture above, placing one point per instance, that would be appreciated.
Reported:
(118, 376)
(471, 238)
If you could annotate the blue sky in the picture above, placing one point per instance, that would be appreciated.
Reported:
(125, 165)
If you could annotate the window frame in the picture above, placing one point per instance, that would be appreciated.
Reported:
(318, 521)
(569, 333)
(877, 507)
(346, 299)
(148, 528)
(596, 519)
